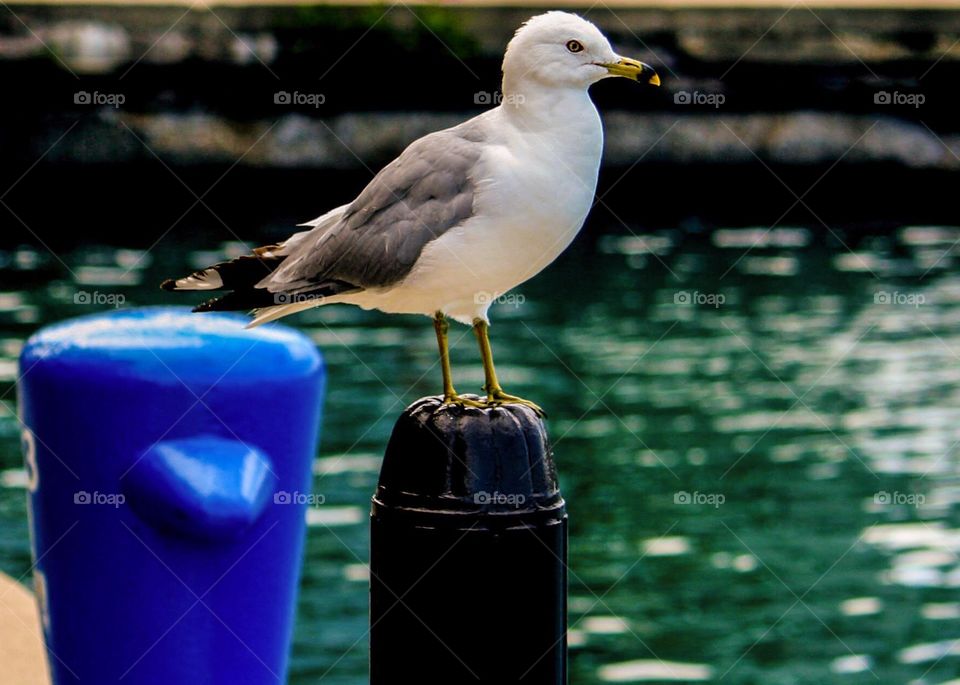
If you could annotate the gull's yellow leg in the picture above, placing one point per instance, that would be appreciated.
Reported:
(495, 394)
(450, 395)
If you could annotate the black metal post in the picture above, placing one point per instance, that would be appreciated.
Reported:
(468, 551)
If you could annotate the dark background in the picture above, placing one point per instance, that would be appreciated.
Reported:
(799, 89)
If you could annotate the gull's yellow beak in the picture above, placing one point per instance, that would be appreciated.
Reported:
(632, 69)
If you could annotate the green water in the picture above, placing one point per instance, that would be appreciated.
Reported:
(758, 447)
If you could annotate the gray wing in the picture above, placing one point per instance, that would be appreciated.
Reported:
(416, 198)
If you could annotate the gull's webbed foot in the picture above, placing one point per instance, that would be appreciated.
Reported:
(462, 401)
(498, 397)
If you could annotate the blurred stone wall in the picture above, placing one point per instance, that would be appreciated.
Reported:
(344, 87)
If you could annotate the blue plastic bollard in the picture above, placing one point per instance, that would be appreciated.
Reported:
(167, 452)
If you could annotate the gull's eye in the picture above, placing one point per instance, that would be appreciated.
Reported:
(574, 46)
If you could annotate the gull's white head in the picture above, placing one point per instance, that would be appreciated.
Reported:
(563, 50)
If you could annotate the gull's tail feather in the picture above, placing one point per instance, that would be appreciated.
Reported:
(245, 278)
(236, 274)
(241, 276)
(262, 301)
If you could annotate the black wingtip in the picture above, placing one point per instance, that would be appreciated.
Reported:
(169, 285)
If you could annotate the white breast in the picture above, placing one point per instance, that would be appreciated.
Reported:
(536, 185)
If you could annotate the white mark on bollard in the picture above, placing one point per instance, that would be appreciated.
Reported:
(30, 459)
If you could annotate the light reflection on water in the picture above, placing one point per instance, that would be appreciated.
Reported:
(757, 444)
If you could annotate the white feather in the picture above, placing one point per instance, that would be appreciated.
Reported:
(266, 314)
(208, 279)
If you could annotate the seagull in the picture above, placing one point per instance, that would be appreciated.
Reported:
(462, 216)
